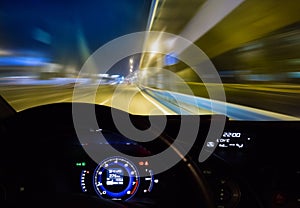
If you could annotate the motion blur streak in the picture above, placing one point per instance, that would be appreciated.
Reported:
(203, 21)
(83, 48)
(40, 95)
(253, 44)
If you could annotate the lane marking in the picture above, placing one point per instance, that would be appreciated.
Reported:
(163, 109)
(105, 101)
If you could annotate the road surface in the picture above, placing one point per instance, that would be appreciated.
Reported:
(281, 99)
(21, 97)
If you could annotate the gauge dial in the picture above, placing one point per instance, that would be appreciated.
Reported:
(116, 178)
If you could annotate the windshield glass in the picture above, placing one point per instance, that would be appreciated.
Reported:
(239, 58)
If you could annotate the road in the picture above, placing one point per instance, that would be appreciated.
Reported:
(21, 97)
(281, 99)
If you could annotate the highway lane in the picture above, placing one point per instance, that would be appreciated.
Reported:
(283, 99)
(22, 97)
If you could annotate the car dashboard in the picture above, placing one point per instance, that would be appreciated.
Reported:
(252, 164)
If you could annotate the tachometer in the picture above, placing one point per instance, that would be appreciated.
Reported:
(116, 178)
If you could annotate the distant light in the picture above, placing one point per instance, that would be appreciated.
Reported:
(171, 59)
(5, 52)
(294, 74)
(103, 75)
(22, 61)
(259, 77)
(131, 60)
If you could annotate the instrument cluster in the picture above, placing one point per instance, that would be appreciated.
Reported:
(117, 178)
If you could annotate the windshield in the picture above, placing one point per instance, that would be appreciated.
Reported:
(238, 58)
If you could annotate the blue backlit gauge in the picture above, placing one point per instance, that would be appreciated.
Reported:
(116, 178)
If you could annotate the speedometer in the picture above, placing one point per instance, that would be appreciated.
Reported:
(116, 178)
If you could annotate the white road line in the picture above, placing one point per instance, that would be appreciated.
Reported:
(105, 101)
(163, 109)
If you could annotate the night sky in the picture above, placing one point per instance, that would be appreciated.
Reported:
(56, 28)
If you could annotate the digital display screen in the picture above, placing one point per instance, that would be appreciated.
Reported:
(231, 139)
(234, 140)
(114, 177)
